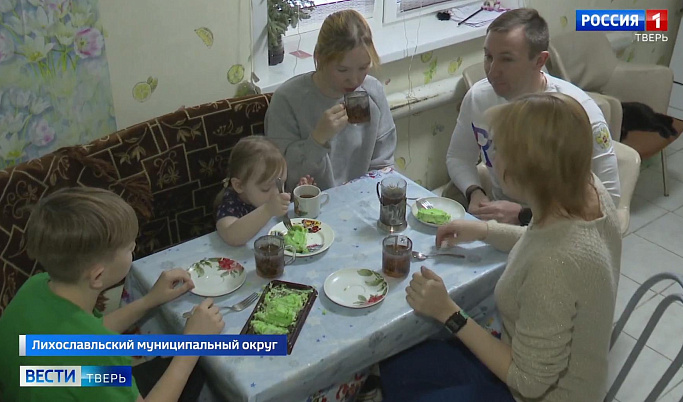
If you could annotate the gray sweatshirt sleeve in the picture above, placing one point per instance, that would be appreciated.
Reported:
(303, 154)
(385, 146)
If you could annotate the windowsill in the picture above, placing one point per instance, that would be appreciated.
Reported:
(390, 42)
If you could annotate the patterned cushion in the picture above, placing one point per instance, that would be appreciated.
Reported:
(169, 169)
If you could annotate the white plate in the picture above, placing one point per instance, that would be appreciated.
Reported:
(447, 205)
(214, 277)
(319, 238)
(356, 287)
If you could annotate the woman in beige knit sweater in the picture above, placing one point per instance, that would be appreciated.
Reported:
(556, 297)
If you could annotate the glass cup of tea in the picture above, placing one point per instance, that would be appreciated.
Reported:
(396, 250)
(269, 254)
(357, 105)
(308, 199)
(391, 193)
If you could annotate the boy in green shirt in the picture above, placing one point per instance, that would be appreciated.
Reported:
(84, 238)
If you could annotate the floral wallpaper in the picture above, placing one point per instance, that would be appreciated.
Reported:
(57, 83)
(165, 55)
(424, 137)
(54, 78)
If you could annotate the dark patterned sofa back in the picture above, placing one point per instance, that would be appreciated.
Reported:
(169, 169)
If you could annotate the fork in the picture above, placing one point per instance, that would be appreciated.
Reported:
(236, 307)
(285, 218)
(425, 204)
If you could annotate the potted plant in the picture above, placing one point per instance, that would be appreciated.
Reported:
(283, 14)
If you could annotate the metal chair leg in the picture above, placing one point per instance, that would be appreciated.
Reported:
(645, 335)
(665, 173)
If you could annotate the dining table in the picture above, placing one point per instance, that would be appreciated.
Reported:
(335, 341)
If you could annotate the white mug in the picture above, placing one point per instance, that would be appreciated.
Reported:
(307, 201)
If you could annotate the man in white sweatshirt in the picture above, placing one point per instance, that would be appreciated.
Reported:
(515, 51)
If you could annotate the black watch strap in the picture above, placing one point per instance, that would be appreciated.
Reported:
(470, 191)
(456, 322)
(525, 216)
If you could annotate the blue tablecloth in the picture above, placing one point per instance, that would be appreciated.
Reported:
(335, 341)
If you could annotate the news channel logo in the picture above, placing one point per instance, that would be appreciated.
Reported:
(75, 376)
(649, 25)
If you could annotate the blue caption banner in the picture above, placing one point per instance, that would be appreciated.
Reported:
(75, 376)
(152, 345)
(610, 20)
(106, 376)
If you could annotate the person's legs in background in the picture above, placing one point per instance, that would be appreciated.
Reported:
(148, 373)
(440, 371)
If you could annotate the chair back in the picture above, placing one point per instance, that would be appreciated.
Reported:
(583, 58)
(473, 73)
(628, 163)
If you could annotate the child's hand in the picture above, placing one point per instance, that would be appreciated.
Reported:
(206, 319)
(278, 204)
(306, 180)
(170, 285)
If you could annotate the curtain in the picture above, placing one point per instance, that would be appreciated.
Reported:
(54, 78)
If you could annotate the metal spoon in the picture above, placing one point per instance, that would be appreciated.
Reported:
(421, 256)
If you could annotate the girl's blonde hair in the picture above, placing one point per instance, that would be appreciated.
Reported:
(340, 33)
(546, 144)
(249, 153)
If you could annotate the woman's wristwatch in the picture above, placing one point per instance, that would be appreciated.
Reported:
(455, 322)
(525, 216)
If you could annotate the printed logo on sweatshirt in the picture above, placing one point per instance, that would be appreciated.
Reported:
(484, 141)
(602, 138)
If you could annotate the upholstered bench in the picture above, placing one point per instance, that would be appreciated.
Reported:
(168, 168)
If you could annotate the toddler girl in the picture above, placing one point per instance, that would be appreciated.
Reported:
(250, 196)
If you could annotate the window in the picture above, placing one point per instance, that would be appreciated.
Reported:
(407, 5)
(323, 8)
(397, 10)
(384, 11)
(401, 28)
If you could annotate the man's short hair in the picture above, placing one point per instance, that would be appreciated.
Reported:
(535, 28)
(73, 228)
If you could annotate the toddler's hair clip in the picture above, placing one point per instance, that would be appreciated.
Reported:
(226, 182)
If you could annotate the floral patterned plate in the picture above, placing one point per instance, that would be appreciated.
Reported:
(356, 287)
(319, 238)
(216, 276)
